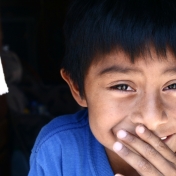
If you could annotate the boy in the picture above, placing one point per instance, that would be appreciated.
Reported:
(121, 65)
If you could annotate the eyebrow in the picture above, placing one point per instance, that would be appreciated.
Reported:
(118, 69)
(170, 71)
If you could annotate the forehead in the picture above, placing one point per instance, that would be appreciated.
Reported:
(121, 62)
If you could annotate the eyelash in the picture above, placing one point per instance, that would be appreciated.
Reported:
(122, 87)
(172, 86)
(125, 87)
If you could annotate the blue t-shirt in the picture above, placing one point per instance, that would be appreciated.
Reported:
(67, 147)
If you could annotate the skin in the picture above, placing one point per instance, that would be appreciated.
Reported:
(131, 106)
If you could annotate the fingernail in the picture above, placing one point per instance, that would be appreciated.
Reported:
(121, 134)
(141, 129)
(117, 146)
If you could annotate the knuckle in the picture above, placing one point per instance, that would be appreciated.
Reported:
(149, 135)
(150, 151)
(132, 139)
(160, 146)
(144, 166)
(125, 151)
(173, 167)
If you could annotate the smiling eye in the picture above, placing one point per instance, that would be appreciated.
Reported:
(122, 87)
(172, 86)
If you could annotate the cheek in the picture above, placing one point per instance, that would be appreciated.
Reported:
(108, 111)
(169, 103)
(105, 117)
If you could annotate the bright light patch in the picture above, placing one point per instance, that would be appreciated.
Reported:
(3, 85)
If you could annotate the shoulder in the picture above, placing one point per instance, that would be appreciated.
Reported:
(66, 146)
(60, 127)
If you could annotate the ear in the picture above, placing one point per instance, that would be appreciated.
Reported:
(74, 89)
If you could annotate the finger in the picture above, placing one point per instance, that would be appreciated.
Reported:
(156, 142)
(118, 175)
(140, 164)
(147, 151)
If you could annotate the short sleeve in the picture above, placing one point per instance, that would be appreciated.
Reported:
(45, 159)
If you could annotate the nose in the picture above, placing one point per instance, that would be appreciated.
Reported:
(149, 110)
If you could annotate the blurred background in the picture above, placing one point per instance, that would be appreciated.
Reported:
(31, 50)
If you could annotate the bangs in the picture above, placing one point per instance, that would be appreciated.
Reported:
(96, 27)
(134, 33)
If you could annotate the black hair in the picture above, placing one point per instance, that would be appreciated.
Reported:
(98, 26)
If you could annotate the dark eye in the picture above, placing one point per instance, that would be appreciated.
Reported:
(172, 86)
(122, 87)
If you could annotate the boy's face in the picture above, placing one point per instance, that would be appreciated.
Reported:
(121, 95)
